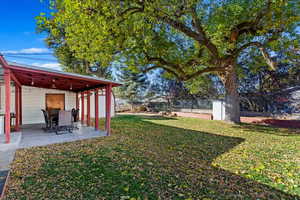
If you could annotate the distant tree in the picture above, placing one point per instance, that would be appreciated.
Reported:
(186, 38)
(164, 89)
(192, 93)
(203, 87)
(134, 85)
(265, 90)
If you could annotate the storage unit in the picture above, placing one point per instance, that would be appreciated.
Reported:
(218, 110)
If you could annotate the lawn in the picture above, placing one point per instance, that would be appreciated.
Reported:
(164, 158)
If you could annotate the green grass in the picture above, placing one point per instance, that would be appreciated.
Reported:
(164, 158)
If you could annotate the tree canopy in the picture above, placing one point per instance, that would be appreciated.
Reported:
(186, 38)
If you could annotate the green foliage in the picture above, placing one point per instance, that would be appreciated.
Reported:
(134, 85)
(56, 40)
(186, 39)
(163, 158)
(139, 31)
(204, 87)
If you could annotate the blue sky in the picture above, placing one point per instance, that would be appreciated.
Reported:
(18, 31)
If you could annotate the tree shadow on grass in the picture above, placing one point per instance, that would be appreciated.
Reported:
(265, 129)
(142, 160)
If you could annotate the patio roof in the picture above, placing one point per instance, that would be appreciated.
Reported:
(55, 79)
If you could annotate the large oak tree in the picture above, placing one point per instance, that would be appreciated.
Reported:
(186, 38)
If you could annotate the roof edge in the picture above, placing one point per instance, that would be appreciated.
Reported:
(44, 69)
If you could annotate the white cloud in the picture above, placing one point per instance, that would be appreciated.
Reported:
(27, 51)
(55, 66)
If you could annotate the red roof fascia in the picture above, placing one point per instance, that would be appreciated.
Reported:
(13, 67)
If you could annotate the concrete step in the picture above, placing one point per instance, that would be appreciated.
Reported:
(15, 139)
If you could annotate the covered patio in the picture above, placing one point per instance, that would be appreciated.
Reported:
(33, 136)
(80, 92)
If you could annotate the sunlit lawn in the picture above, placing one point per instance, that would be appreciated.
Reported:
(164, 158)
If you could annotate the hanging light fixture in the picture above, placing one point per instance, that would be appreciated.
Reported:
(53, 85)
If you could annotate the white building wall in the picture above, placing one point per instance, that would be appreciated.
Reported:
(102, 107)
(2, 99)
(34, 99)
(12, 96)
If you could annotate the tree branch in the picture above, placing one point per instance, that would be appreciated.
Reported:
(267, 57)
(263, 12)
(245, 46)
(263, 51)
(133, 9)
(198, 26)
(185, 77)
(194, 61)
(249, 26)
(162, 61)
(189, 32)
(165, 68)
(179, 26)
(200, 72)
(275, 35)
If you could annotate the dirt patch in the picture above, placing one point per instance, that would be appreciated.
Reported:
(255, 120)
(280, 123)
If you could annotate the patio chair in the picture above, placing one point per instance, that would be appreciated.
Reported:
(47, 121)
(75, 115)
(53, 115)
(64, 122)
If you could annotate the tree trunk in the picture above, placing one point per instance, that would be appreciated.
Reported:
(232, 99)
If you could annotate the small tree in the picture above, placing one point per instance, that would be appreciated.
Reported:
(186, 38)
(134, 85)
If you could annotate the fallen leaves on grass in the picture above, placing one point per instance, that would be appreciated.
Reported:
(162, 158)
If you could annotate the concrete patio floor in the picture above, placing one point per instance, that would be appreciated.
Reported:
(33, 135)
